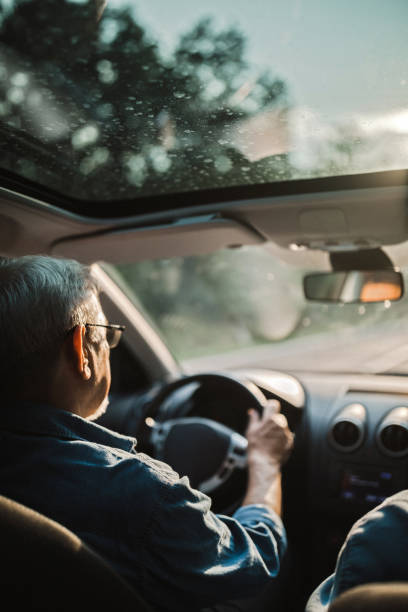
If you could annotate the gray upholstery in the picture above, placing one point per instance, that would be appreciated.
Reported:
(46, 567)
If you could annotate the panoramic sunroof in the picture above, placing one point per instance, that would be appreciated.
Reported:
(120, 100)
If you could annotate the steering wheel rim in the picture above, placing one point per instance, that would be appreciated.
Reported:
(252, 392)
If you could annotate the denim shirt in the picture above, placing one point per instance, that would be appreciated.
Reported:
(156, 531)
(375, 550)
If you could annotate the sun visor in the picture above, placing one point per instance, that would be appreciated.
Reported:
(191, 236)
(342, 220)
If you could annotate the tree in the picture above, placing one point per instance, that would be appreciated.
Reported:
(91, 107)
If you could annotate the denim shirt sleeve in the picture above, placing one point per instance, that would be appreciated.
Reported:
(374, 551)
(208, 558)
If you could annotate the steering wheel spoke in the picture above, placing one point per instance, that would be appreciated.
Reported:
(236, 458)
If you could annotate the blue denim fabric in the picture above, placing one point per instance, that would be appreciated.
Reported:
(375, 550)
(157, 531)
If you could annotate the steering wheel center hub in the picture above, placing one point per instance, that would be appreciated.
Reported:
(206, 451)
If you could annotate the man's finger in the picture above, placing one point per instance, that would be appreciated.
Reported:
(271, 407)
(281, 420)
(253, 416)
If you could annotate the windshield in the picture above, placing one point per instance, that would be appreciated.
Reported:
(118, 100)
(245, 307)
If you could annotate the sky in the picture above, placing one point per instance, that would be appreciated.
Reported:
(336, 56)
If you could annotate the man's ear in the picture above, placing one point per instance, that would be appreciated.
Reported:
(80, 353)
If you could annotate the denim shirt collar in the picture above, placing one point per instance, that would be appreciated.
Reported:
(42, 419)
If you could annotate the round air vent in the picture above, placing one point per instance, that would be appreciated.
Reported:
(392, 434)
(346, 432)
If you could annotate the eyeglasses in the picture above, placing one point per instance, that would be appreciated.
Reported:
(113, 332)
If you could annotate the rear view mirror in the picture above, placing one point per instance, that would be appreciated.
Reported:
(348, 286)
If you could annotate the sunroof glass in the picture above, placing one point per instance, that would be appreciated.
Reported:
(119, 100)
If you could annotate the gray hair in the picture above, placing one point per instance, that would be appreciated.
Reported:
(41, 299)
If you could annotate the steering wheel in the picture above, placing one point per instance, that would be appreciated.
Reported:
(210, 453)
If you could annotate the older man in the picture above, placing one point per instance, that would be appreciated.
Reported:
(157, 531)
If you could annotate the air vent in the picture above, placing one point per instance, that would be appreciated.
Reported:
(346, 432)
(392, 434)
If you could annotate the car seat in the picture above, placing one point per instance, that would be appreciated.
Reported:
(46, 567)
(377, 597)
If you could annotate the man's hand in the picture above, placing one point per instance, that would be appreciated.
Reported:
(269, 445)
(269, 437)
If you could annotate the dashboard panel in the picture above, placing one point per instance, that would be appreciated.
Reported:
(358, 476)
(351, 477)
(343, 483)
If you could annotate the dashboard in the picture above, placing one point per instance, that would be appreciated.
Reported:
(353, 433)
(358, 441)
(351, 452)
